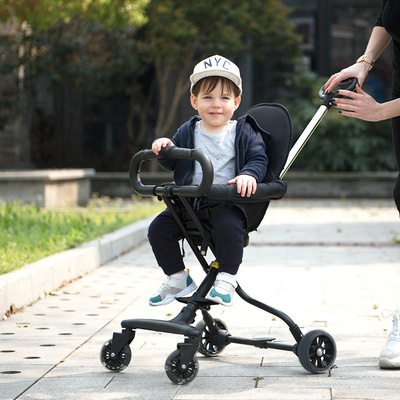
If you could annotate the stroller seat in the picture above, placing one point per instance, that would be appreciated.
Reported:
(274, 119)
(316, 350)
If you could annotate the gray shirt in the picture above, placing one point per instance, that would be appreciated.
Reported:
(220, 147)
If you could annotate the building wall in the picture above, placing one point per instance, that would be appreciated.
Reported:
(336, 34)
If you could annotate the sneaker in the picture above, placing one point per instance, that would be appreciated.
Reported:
(390, 355)
(172, 288)
(223, 290)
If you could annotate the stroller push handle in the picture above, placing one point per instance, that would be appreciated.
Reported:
(327, 102)
(172, 152)
(347, 84)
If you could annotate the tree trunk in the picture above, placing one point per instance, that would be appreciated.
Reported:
(143, 105)
(168, 109)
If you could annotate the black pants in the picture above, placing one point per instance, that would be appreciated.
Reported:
(396, 137)
(228, 231)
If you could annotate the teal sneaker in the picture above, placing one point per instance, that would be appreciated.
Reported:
(172, 288)
(223, 289)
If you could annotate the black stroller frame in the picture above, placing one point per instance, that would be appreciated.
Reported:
(316, 349)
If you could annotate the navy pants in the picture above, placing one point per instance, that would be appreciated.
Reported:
(228, 232)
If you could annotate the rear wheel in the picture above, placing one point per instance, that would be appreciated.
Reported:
(317, 351)
(210, 343)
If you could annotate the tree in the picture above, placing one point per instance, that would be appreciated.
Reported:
(80, 44)
(83, 49)
(179, 33)
(76, 68)
(42, 14)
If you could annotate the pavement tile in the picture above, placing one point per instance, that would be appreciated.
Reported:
(329, 264)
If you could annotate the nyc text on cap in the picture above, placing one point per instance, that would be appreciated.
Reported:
(216, 66)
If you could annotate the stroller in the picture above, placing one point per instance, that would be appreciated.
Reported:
(316, 349)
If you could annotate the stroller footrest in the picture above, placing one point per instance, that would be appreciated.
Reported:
(201, 302)
(161, 326)
(262, 343)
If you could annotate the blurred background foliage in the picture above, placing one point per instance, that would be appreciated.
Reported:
(96, 80)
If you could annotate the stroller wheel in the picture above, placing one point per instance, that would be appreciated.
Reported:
(117, 362)
(211, 344)
(317, 351)
(176, 373)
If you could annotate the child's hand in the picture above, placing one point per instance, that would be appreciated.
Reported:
(246, 184)
(160, 143)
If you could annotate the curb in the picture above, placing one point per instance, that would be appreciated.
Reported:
(25, 286)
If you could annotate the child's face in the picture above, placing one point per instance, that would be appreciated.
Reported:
(215, 108)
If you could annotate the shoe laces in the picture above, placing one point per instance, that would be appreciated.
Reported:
(226, 278)
(395, 334)
(168, 283)
(165, 285)
(225, 286)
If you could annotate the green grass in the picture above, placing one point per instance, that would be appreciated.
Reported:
(29, 233)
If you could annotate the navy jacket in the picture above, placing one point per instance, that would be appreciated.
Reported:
(250, 156)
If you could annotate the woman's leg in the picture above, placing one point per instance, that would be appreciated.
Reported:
(396, 138)
(396, 147)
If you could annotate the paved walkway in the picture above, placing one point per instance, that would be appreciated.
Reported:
(328, 264)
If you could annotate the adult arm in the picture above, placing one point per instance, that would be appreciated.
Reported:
(361, 105)
(378, 41)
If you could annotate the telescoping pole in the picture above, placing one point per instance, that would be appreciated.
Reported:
(327, 99)
(302, 140)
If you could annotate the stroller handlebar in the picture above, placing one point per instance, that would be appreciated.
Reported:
(265, 191)
(273, 190)
(172, 152)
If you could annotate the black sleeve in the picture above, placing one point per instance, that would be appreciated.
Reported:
(378, 21)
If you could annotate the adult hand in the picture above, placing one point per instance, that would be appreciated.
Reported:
(358, 70)
(246, 185)
(359, 104)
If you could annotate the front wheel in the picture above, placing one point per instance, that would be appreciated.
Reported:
(180, 374)
(115, 362)
(317, 351)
